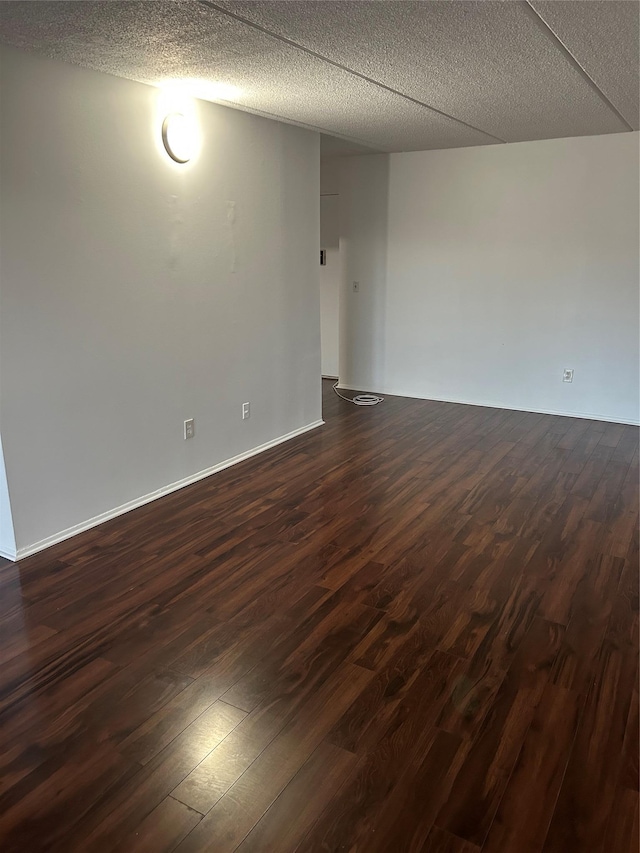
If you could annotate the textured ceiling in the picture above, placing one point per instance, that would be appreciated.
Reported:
(603, 38)
(386, 75)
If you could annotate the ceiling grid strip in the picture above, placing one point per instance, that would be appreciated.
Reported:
(291, 43)
(547, 28)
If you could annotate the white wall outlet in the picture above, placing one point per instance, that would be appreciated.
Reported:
(567, 374)
(246, 411)
(356, 287)
(189, 429)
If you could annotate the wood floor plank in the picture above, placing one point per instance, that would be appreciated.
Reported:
(121, 809)
(591, 610)
(41, 811)
(526, 809)
(239, 809)
(406, 817)
(313, 652)
(413, 671)
(623, 833)
(588, 792)
(483, 777)
(630, 773)
(439, 841)
(305, 797)
(351, 818)
(482, 676)
(176, 716)
(162, 829)
(412, 629)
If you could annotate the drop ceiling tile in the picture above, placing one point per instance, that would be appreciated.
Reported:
(602, 35)
(490, 63)
(160, 41)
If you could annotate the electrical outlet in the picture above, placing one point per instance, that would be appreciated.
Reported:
(567, 375)
(246, 411)
(356, 287)
(189, 429)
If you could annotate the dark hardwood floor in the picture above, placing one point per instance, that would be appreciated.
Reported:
(414, 629)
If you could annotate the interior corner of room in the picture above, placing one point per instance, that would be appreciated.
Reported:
(319, 426)
(483, 272)
(138, 292)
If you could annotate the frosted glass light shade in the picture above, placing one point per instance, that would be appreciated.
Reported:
(178, 136)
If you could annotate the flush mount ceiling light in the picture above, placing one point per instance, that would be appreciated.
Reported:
(178, 137)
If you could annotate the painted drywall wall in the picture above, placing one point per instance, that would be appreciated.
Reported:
(137, 293)
(330, 175)
(7, 538)
(330, 283)
(364, 188)
(484, 272)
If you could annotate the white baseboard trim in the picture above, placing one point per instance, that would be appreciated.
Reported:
(585, 415)
(8, 554)
(153, 496)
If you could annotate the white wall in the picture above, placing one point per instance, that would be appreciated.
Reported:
(504, 264)
(364, 201)
(136, 293)
(330, 283)
(330, 175)
(7, 538)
